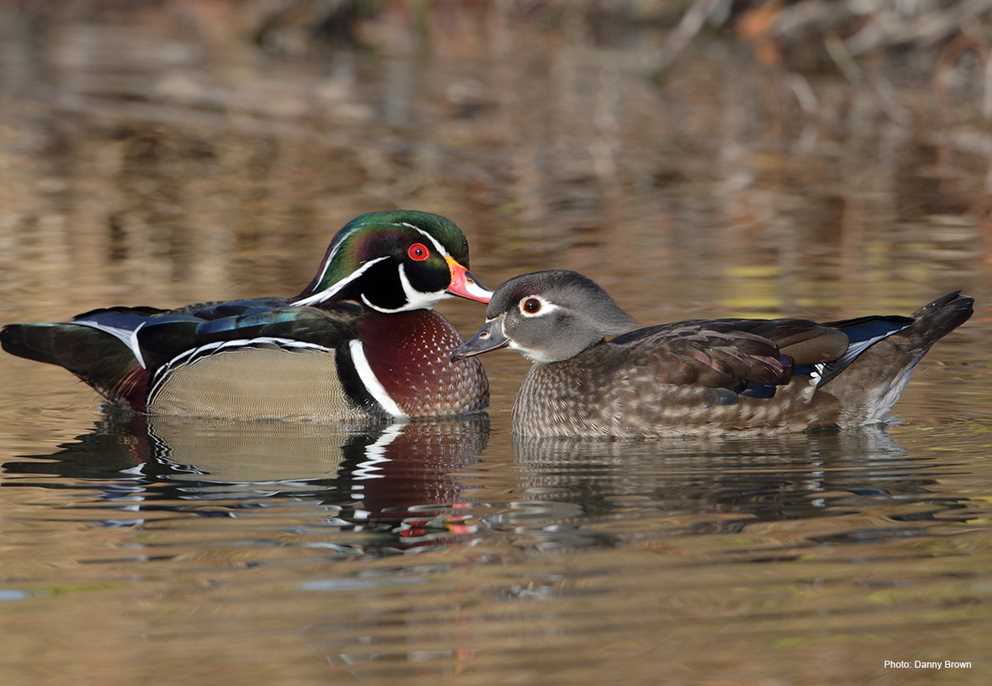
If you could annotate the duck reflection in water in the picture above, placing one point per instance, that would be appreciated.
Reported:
(399, 479)
(762, 479)
(404, 483)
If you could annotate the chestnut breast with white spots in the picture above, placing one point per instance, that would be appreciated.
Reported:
(410, 355)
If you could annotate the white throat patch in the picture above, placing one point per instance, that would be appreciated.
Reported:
(415, 300)
(532, 355)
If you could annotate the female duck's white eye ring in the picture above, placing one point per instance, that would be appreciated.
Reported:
(534, 306)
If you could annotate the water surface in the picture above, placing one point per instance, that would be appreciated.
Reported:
(152, 162)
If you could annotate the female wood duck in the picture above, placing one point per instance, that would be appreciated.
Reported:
(360, 340)
(598, 373)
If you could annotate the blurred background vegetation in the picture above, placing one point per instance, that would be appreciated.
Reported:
(876, 44)
(698, 159)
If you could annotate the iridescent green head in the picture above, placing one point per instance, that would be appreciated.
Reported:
(395, 261)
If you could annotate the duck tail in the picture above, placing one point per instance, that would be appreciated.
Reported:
(936, 319)
(871, 381)
(98, 358)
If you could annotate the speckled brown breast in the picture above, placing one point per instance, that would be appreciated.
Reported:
(410, 354)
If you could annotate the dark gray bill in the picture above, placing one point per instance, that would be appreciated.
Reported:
(489, 337)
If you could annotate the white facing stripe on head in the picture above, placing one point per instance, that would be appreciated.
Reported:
(330, 291)
(370, 381)
(327, 262)
(434, 241)
(415, 299)
(330, 258)
(471, 286)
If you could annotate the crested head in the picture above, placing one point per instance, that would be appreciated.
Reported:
(549, 316)
(565, 289)
(395, 261)
(360, 236)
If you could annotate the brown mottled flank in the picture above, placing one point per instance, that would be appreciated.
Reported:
(410, 354)
(676, 379)
(589, 396)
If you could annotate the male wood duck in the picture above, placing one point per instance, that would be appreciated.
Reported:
(598, 373)
(360, 339)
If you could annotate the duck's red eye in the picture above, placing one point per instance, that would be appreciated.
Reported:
(418, 252)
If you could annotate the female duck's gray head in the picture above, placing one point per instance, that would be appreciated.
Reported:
(547, 316)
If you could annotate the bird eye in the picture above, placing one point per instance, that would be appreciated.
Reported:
(418, 252)
(530, 306)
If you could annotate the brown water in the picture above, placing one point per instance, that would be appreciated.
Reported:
(157, 162)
